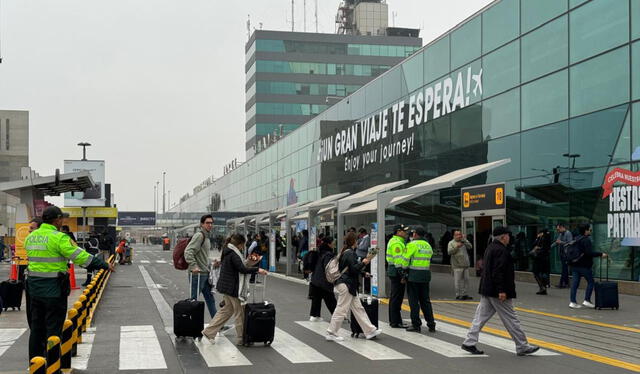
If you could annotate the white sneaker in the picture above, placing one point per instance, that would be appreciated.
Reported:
(315, 319)
(575, 306)
(334, 338)
(373, 334)
(588, 304)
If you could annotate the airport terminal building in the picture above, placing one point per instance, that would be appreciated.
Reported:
(551, 85)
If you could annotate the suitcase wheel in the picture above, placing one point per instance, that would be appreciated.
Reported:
(268, 343)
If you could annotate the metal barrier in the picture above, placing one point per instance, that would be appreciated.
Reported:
(60, 352)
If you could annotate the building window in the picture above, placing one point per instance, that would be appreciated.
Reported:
(500, 24)
(545, 100)
(545, 49)
(535, 13)
(596, 27)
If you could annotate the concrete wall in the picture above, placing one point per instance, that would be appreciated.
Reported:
(14, 154)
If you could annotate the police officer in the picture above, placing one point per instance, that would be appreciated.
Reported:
(395, 249)
(416, 262)
(48, 251)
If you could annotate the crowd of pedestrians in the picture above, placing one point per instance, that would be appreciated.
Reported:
(408, 260)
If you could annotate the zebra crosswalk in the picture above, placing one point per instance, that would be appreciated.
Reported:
(140, 346)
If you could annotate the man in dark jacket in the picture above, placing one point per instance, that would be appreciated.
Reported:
(583, 267)
(497, 290)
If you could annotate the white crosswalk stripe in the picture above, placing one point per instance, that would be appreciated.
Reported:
(8, 337)
(427, 342)
(367, 348)
(144, 261)
(81, 361)
(294, 350)
(222, 353)
(140, 349)
(161, 262)
(488, 339)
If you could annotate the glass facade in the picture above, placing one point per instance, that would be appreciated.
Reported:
(556, 92)
(293, 88)
(266, 66)
(291, 46)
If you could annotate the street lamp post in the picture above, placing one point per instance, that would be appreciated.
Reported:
(84, 146)
(164, 173)
(169, 200)
(155, 192)
(157, 195)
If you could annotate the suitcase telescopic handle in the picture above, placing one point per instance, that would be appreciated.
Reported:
(606, 260)
(191, 284)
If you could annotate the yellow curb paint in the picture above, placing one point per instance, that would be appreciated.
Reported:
(556, 347)
(559, 316)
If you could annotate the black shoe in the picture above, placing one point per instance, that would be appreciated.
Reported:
(398, 326)
(432, 329)
(472, 349)
(467, 297)
(531, 349)
(459, 298)
(541, 292)
(413, 329)
(562, 286)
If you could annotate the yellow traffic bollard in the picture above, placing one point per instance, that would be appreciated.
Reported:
(53, 355)
(72, 315)
(67, 345)
(38, 365)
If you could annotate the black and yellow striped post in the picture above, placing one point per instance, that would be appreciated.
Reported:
(67, 345)
(82, 314)
(72, 315)
(38, 365)
(85, 313)
(53, 355)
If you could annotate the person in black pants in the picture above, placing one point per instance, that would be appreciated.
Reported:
(320, 288)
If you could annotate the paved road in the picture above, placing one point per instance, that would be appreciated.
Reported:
(132, 332)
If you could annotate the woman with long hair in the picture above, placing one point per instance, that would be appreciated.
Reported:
(319, 288)
(347, 289)
(230, 285)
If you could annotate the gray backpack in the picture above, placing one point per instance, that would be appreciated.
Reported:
(332, 270)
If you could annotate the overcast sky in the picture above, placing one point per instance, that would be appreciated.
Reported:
(154, 85)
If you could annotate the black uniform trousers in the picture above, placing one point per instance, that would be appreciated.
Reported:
(419, 300)
(317, 295)
(395, 300)
(47, 315)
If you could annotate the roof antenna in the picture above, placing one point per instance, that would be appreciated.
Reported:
(293, 16)
(316, 14)
(0, 33)
(248, 26)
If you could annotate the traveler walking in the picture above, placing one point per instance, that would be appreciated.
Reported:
(49, 251)
(319, 288)
(347, 289)
(458, 250)
(541, 260)
(233, 287)
(497, 290)
(91, 246)
(65, 229)
(416, 263)
(582, 267)
(564, 237)
(395, 250)
(197, 256)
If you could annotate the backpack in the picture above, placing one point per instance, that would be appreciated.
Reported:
(572, 251)
(332, 270)
(179, 262)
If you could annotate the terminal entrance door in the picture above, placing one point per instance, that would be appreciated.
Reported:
(483, 209)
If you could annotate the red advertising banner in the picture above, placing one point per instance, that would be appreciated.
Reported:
(619, 175)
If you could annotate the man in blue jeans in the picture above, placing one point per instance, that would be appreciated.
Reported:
(197, 256)
(583, 267)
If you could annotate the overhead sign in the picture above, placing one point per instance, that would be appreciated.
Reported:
(486, 197)
(92, 197)
(623, 218)
(136, 219)
(391, 133)
(92, 212)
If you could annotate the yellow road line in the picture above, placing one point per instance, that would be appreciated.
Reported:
(559, 316)
(553, 346)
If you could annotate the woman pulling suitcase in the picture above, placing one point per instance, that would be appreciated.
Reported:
(231, 285)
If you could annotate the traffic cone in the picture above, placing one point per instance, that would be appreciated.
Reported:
(72, 278)
(14, 271)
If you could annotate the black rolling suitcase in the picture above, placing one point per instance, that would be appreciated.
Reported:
(606, 292)
(11, 294)
(370, 305)
(188, 316)
(259, 320)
